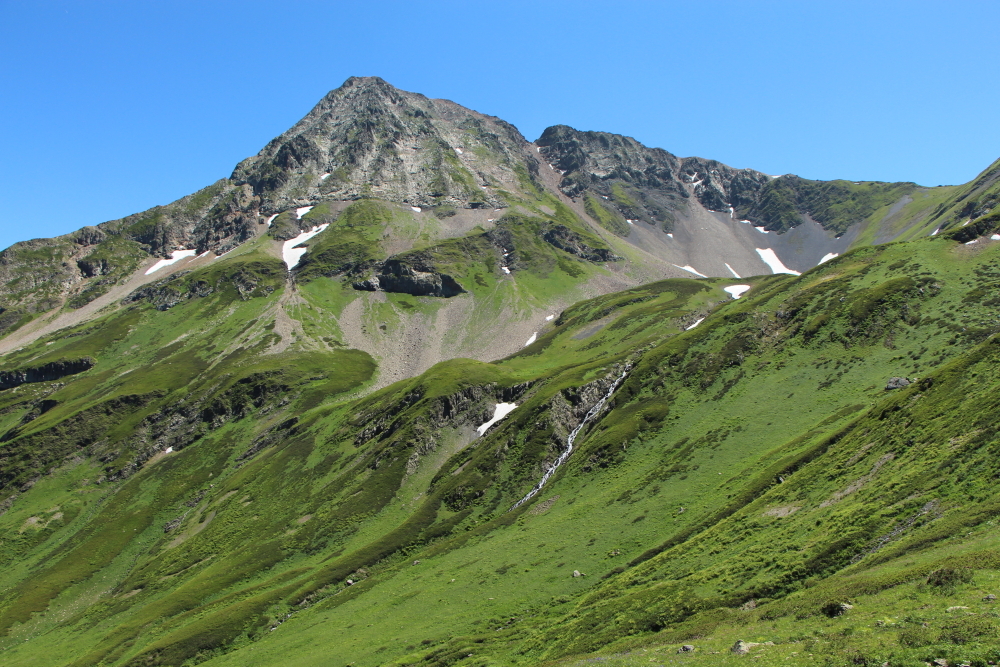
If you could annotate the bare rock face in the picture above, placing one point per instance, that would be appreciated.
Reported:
(368, 138)
(643, 183)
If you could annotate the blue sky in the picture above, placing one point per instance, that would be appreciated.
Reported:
(109, 108)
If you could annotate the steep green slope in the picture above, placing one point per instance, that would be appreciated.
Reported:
(753, 456)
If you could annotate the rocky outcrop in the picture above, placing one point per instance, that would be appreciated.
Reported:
(897, 383)
(564, 238)
(395, 275)
(46, 372)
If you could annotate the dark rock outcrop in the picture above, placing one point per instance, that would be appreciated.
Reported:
(564, 238)
(45, 373)
(397, 276)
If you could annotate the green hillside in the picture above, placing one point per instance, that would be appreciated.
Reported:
(216, 490)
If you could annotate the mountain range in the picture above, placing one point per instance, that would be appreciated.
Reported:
(409, 389)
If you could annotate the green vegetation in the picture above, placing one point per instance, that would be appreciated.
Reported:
(607, 218)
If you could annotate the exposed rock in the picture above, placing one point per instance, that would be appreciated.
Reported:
(45, 373)
(741, 647)
(577, 573)
(955, 608)
(687, 648)
(397, 276)
(416, 562)
(897, 383)
(834, 609)
(990, 598)
(564, 238)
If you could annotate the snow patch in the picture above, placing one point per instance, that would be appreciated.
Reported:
(973, 241)
(531, 340)
(416, 209)
(828, 256)
(670, 235)
(168, 450)
(732, 271)
(731, 212)
(271, 219)
(995, 237)
(175, 256)
(291, 254)
(631, 222)
(967, 222)
(325, 176)
(935, 232)
(691, 270)
(203, 254)
(548, 318)
(458, 150)
(736, 291)
(302, 210)
(762, 230)
(694, 325)
(505, 270)
(771, 259)
(501, 411)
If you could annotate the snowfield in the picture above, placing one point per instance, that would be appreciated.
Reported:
(771, 259)
(736, 291)
(501, 411)
(175, 256)
(293, 255)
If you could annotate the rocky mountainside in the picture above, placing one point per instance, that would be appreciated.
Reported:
(410, 390)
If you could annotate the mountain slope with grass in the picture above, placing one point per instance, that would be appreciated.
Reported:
(399, 392)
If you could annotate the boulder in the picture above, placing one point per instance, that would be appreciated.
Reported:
(896, 383)
(687, 648)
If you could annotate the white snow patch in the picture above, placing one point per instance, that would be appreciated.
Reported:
(291, 254)
(538, 149)
(416, 209)
(175, 256)
(225, 253)
(732, 271)
(548, 318)
(302, 210)
(971, 242)
(271, 219)
(736, 291)
(505, 270)
(670, 235)
(325, 176)
(747, 222)
(168, 450)
(772, 261)
(691, 270)
(762, 230)
(967, 222)
(995, 237)
(501, 411)
(631, 222)
(731, 212)
(694, 325)
(531, 340)
(458, 150)
(696, 183)
(828, 256)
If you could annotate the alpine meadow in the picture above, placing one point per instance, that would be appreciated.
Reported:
(407, 389)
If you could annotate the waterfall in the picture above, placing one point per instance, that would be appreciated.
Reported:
(571, 439)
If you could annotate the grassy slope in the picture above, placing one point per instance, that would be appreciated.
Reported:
(762, 385)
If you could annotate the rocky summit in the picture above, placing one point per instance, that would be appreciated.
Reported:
(409, 389)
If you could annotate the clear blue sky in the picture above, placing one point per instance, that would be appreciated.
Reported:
(109, 108)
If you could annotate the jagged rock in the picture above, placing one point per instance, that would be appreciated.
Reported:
(687, 648)
(396, 275)
(577, 573)
(45, 373)
(897, 383)
(564, 238)
(740, 647)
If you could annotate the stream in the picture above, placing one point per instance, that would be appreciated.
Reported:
(571, 439)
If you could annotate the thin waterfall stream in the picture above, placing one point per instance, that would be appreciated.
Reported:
(593, 412)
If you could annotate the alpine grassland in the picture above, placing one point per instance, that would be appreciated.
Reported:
(219, 488)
